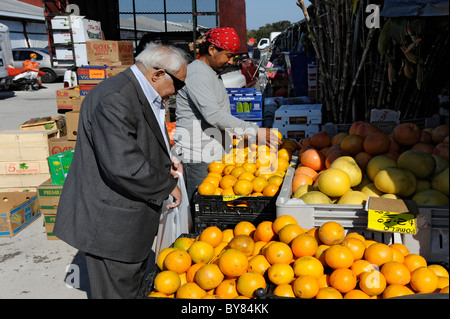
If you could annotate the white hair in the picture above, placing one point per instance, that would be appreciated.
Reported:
(161, 56)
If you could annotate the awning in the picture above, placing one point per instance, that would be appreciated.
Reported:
(419, 8)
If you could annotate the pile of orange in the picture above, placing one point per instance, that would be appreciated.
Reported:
(249, 169)
(323, 263)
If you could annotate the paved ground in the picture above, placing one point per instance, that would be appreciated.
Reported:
(30, 265)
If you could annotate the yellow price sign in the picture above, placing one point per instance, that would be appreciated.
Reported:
(97, 74)
(392, 222)
(392, 215)
(230, 198)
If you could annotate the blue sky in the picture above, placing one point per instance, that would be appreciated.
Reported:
(261, 12)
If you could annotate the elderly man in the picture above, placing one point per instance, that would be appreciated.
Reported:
(122, 171)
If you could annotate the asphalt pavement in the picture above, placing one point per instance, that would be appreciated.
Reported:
(31, 266)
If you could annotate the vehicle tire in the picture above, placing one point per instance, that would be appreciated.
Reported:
(49, 77)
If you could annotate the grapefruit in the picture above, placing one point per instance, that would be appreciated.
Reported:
(440, 182)
(353, 198)
(430, 197)
(315, 197)
(394, 180)
(420, 163)
(349, 165)
(377, 163)
(334, 182)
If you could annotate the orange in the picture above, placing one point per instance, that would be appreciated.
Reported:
(216, 167)
(338, 256)
(212, 235)
(264, 232)
(190, 273)
(206, 189)
(282, 221)
(305, 170)
(209, 276)
(237, 171)
(308, 265)
(218, 191)
(248, 176)
(190, 290)
(313, 159)
(329, 293)
(280, 273)
(167, 282)
(331, 233)
(258, 246)
(258, 264)
(227, 169)
(343, 279)
(320, 253)
(259, 183)
(227, 235)
(397, 255)
(396, 273)
(243, 187)
(244, 228)
(315, 233)
(249, 167)
(178, 261)
(442, 283)
(227, 289)
(219, 248)
(284, 290)
(214, 174)
(356, 294)
(289, 232)
(201, 251)
(228, 192)
(304, 245)
(356, 246)
(392, 291)
(270, 190)
(299, 180)
(324, 280)
(400, 247)
(305, 287)
(372, 283)
(233, 262)
(424, 280)
(249, 282)
(276, 180)
(360, 266)
(285, 154)
(355, 235)
(378, 254)
(244, 243)
(156, 294)
(278, 252)
(414, 261)
(280, 164)
(439, 270)
(444, 290)
(162, 255)
(213, 180)
(227, 181)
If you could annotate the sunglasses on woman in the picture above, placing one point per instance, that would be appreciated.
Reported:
(177, 83)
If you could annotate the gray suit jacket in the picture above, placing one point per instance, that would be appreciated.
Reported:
(120, 175)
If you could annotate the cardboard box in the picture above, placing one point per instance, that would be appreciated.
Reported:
(24, 168)
(69, 98)
(296, 131)
(17, 211)
(114, 70)
(22, 180)
(25, 145)
(59, 145)
(85, 88)
(48, 197)
(59, 165)
(79, 50)
(91, 74)
(72, 124)
(82, 29)
(107, 52)
(299, 114)
(46, 123)
(247, 106)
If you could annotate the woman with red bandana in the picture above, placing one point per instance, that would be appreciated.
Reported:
(204, 124)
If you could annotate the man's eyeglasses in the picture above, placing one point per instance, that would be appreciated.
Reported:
(177, 83)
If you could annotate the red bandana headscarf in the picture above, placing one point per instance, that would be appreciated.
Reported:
(224, 38)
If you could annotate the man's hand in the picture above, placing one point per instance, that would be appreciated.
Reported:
(176, 194)
(266, 136)
(177, 167)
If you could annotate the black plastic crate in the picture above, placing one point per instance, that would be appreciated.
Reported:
(214, 211)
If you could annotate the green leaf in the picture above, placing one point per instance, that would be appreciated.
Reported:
(385, 35)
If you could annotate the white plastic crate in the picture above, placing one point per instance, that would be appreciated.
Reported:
(431, 240)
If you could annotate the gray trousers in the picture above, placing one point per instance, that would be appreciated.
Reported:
(194, 174)
(111, 279)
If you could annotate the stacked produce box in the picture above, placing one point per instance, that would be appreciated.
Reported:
(247, 104)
